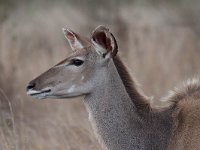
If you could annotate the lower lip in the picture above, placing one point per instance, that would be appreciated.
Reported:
(42, 92)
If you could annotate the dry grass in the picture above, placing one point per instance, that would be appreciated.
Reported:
(153, 42)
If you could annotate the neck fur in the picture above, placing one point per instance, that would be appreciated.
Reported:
(121, 116)
(139, 100)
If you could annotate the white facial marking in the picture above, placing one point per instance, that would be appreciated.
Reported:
(62, 65)
(82, 78)
(29, 92)
(78, 57)
(71, 89)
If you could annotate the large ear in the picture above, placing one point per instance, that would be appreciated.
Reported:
(104, 42)
(75, 40)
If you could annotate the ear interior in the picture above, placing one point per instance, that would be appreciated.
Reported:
(104, 41)
(70, 36)
(101, 39)
(73, 39)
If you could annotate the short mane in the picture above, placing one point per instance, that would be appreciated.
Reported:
(138, 99)
(188, 89)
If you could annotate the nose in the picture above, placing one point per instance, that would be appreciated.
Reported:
(30, 86)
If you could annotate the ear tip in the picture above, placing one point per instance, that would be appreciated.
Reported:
(65, 30)
(101, 28)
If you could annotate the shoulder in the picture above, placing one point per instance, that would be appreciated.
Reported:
(187, 92)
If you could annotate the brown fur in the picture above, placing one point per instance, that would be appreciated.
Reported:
(186, 135)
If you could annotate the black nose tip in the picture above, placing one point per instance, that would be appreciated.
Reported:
(30, 86)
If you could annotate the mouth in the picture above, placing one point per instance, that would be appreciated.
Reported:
(41, 93)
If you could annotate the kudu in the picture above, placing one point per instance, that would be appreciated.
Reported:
(122, 117)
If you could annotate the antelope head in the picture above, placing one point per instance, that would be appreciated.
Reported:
(82, 71)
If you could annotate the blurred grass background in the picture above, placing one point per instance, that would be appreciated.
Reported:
(159, 41)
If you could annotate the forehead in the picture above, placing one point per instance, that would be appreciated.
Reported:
(80, 53)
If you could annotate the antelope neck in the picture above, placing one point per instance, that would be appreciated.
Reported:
(112, 112)
(115, 118)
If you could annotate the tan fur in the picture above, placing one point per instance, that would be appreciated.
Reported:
(187, 133)
(186, 99)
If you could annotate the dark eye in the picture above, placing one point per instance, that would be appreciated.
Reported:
(77, 62)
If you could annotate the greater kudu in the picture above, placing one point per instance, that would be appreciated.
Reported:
(121, 115)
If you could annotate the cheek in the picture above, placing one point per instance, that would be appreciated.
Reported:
(80, 79)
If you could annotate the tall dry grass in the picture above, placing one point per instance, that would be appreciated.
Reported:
(160, 49)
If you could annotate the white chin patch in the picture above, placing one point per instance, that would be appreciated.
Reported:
(30, 92)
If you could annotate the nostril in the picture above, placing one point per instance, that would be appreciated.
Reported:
(30, 86)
